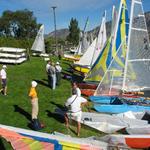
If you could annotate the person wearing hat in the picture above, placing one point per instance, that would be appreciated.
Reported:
(34, 100)
(58, 73)
(3, 77)
(52, 74)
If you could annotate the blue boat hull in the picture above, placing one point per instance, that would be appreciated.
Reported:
(114, 109)
(102, 99)
(112, 99)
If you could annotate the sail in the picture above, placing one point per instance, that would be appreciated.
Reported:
(119, 30)
(101, 64)
(138, 52)
(39, 44)
(113, 76)
(112, 80)
(114, 20)
(94, 49)
(85, 44)
(86, 59)
(101, 40)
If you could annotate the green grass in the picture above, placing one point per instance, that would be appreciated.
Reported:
(19, 80)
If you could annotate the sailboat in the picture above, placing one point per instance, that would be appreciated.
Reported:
(39, 46)
(90, 56)
(134, 76)
(104, 58)
(119, 34)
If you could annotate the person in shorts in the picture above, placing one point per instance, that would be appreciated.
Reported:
(74, 103)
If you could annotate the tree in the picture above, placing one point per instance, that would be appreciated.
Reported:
(74, 30)
(18, 24)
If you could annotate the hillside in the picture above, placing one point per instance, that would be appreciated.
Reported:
(62, 33)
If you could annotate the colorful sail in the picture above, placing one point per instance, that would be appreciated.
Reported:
(39, 45)
(102, 63)
(22, 139)
(113, 76)
(138, 52)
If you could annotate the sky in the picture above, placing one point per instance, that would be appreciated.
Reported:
(66, 9)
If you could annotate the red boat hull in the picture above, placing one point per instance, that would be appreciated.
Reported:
(87, 92)
(87, 86)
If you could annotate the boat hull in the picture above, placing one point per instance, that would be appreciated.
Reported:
(87, 92)
(115, 109)
(81, 69)
(87, 86)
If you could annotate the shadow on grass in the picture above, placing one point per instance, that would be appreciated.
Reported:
(2, 147)
(41, 82)
(59, 105)
(74, 132)
(23, 112)
(45, 80)
(57, 117)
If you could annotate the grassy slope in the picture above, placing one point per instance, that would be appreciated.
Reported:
(19, 78)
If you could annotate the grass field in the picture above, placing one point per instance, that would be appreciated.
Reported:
(15, 108)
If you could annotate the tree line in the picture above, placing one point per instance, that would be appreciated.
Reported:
(22, 25)
(18, 24)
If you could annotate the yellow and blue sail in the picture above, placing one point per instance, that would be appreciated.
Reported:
(101, 64)
(110, 50)
(121, 37)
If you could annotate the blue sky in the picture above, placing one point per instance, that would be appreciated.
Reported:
(66, 9)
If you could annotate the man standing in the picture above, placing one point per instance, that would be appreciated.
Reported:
(74, 103)
(52, 73)
(48, 65)
(34, 100)
(58, 73)
(76, 88)
(3, 77)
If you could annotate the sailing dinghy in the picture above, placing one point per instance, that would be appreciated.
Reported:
(38, 46)
(133, 75)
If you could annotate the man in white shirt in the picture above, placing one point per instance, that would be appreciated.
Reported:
(75, 102)
(75, 88)
(3, 77)
(48, 65)
(58, 73)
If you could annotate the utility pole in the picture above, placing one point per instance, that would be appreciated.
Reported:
(54, 7)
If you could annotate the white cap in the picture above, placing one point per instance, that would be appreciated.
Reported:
(4, 66)
(34, 83)
(57, 63)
